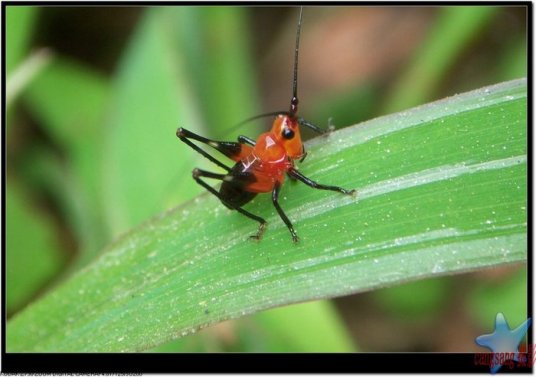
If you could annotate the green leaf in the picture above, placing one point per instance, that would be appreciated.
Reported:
(442, 189)
(20, 22)
(141, 153)
(306, 327)
(455, 28)
(71, 101)
(19, 79)
(159, 83)
(32, 249)
(20, 67)
(221, 72)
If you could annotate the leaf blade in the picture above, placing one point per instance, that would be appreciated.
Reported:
(453, 200)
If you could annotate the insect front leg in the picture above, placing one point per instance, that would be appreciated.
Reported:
(299, 176)
(315, 128)
(275, 197)
(198, 173)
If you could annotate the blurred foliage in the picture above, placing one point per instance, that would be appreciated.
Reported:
(505, 294)
(89, 155)
(308, 327)
(70, 101)
(452, 32)
(416, 301)
(30, 242)
(20, 23)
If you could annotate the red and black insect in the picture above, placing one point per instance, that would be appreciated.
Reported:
(260, 166)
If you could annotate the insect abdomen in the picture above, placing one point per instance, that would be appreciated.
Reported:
(233, 195)
(234, 190)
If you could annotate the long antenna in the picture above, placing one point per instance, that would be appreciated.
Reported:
(294, 100)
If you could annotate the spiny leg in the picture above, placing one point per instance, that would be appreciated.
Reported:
(184, 135)
(231, 149)
(246, 140)
(275, 197)
(198, 173)
(296, 174)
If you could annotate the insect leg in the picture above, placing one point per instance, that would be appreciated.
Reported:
(184, 135)
(296, 174)
(198, 173)
(246, 140)
(315, 128)
(275, 197)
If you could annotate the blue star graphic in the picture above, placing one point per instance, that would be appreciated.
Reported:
(503, 341)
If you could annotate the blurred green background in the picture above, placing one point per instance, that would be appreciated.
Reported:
(95, 94)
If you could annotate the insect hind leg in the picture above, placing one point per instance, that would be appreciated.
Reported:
(246, 140)
(184, 135)
(198, 173)
(230, 149)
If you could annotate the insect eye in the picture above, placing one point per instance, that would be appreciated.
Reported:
(287, 133)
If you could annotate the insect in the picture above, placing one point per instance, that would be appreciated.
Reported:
(261, 165)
